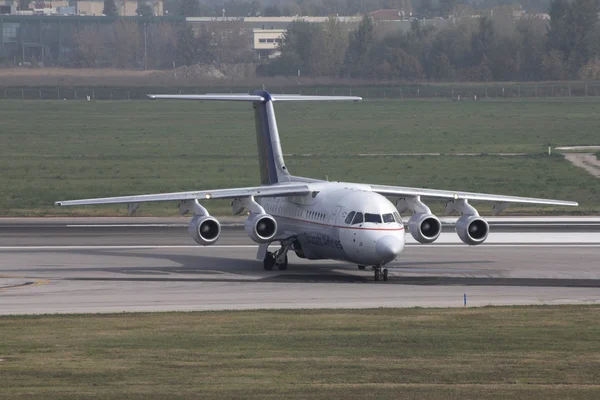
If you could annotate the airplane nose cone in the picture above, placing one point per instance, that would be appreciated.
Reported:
(388, 248)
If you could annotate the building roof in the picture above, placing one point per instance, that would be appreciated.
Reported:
(387, 15)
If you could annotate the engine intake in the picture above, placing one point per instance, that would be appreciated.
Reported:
(425, 228)
(205, 230)
(472, 229)
(261, 227)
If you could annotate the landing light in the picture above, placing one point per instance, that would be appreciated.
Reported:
(207, 196)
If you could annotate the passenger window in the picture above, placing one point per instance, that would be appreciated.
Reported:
(374, 218)
(349, 217)
(388, 218)
(358, 219)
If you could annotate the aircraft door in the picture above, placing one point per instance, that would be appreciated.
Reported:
(334, 215)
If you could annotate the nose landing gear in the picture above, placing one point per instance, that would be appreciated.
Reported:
(380, 273)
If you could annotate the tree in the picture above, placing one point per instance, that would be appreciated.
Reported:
(187, 47)
(329, 48)
(110, 8)
(272, 11)
(361, 42)
(144, 10)
(571, 30)
(483, 41)
(125, 44)
(297, 45)
(90, 50)
(584, 20)
(189, 8)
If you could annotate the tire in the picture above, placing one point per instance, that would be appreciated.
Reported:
(269, 261)
(283, 266)
(377, 274)
(385, 275)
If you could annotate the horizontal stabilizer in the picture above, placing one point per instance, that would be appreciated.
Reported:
(264, 96)
(214, 97)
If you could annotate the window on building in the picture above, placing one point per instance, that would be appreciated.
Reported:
(9, 32)
(262, 40)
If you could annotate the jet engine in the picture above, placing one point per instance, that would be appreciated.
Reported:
(205, 230)
(472, 229)
(425, 228)
(261, 227)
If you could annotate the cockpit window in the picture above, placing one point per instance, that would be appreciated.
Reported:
(349, 217)
(374, 218)
(398, 218)
(358, 219)
(388, 218)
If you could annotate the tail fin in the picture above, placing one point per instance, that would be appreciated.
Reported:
(270, 156)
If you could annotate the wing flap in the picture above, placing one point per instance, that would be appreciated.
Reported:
(399, 191)
(259, 191)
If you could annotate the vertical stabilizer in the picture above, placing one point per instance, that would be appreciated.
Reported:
(270, 156)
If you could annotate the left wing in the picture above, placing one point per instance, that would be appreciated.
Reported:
(399, 191)
(257, 191)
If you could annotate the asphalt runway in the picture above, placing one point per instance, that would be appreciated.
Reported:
(144, 264)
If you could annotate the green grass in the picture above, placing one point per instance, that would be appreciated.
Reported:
(53, 150)
(498, 353)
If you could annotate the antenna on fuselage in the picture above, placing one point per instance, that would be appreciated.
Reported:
(327, 177)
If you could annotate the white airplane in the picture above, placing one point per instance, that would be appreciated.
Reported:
(319, 219)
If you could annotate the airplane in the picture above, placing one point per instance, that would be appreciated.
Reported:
(316, 219)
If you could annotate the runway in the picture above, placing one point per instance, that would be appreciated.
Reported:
(140, 264)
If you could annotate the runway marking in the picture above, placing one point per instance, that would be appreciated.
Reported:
(141, 225)
(27, 284)
(251, 246)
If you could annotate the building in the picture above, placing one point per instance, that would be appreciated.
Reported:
(266, 42)
(389, 15)
(126, 8)
(267, 32)
(49, 40)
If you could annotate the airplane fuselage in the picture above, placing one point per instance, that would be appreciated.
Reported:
(340, 221)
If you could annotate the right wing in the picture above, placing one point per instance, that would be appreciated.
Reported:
(282, 190)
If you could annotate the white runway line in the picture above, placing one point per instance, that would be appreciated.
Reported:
(250, 246)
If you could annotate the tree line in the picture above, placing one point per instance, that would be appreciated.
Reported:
(492, 47)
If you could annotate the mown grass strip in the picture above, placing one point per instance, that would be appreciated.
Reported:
(492, 352)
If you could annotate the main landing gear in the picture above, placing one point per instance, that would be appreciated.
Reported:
(279, 258)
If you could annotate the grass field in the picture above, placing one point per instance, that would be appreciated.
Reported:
(492, 353)
(53, 150)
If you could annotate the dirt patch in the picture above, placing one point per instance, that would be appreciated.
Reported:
(587, 161)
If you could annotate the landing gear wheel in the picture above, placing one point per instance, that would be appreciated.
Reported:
(385, 274)
(377, 274)
(283, 266)
(361, 267)
(269, 261)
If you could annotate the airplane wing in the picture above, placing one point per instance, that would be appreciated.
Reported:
(399, 191)
(257, 191)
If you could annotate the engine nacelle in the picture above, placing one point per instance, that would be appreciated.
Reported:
(261, 227)
(472, 229)
(425, 228)
(205, 230)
